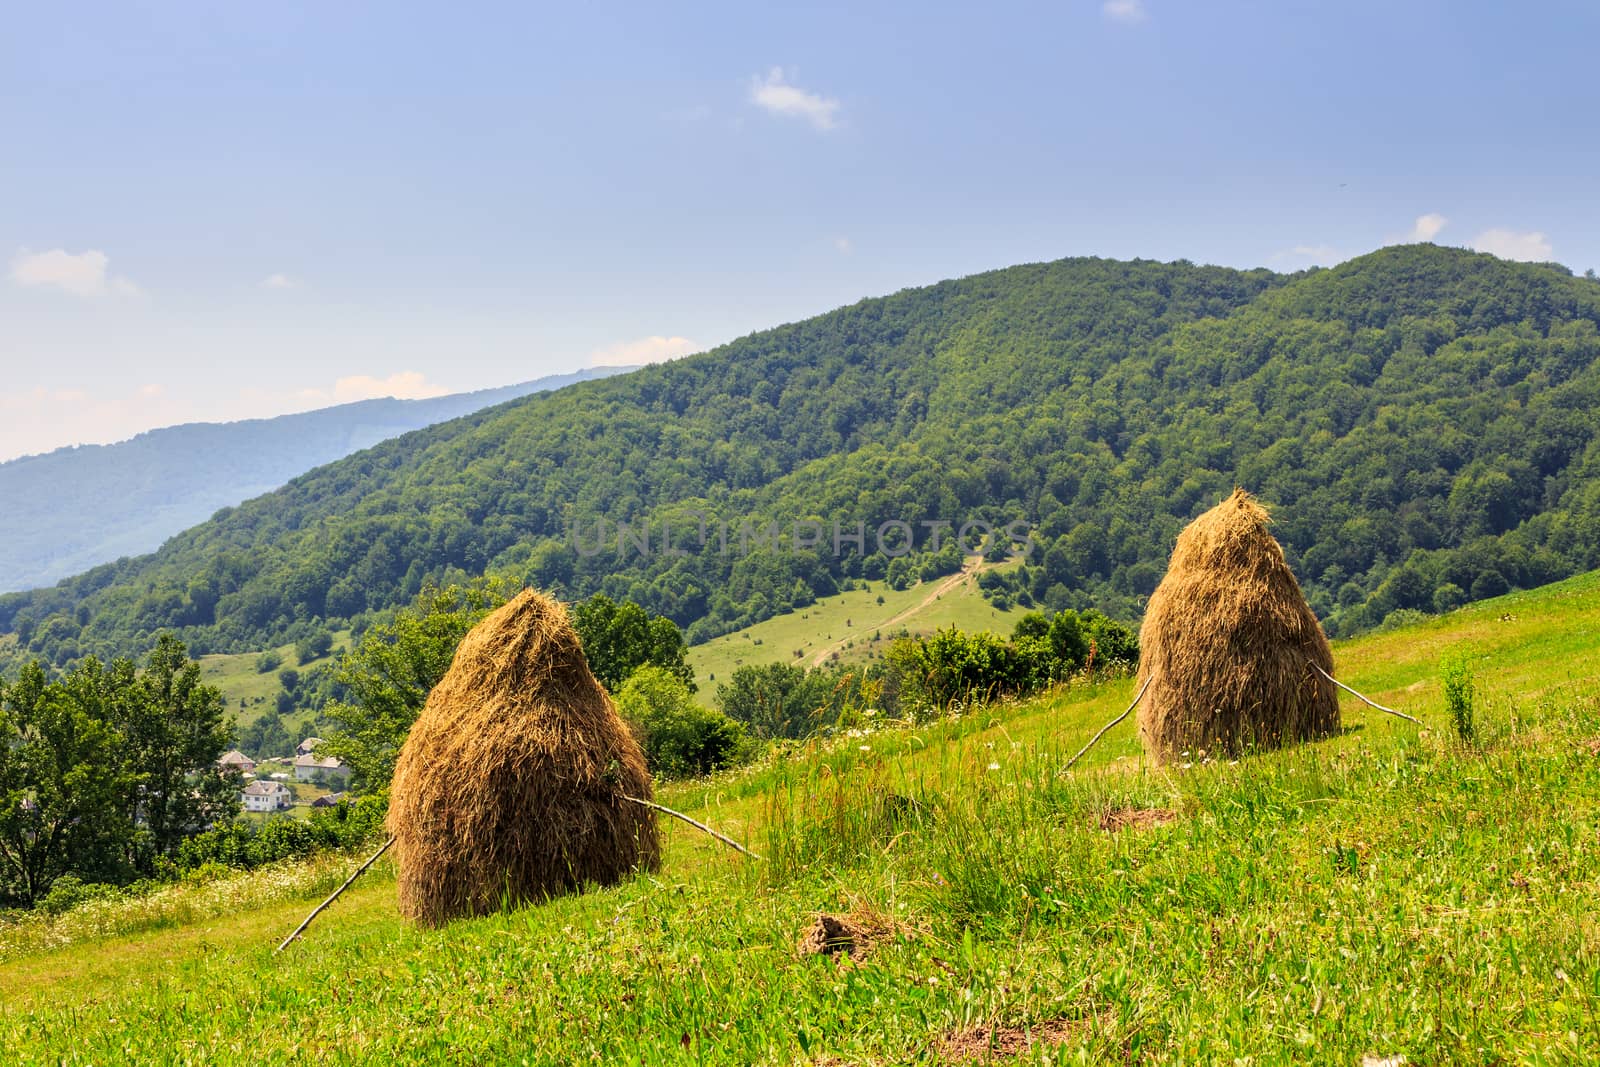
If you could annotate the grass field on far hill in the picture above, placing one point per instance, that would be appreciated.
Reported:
(240, 680)
(1389, 892)
(850, 627)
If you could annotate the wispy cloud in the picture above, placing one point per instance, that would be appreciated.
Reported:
(280, 281)
(1128, 12)
(402, 385)
(1529, 245)
(776, 95)
(844, 245)
(1427, 227)
(1324, 255)
(81, 273)
(644, 350)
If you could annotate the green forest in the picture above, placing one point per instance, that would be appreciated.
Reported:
(1422, 420)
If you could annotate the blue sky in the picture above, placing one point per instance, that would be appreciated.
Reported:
(216, 211)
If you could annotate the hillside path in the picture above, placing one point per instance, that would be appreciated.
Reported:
(969, 569)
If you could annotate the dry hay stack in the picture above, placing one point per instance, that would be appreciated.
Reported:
(1230, 643)
(508, 789)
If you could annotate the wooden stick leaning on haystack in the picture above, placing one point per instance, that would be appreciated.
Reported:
(359, 871)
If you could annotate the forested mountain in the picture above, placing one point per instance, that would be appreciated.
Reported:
(1423, 420)
(68, 510)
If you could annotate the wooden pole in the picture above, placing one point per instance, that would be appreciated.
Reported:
(318, 910)
(698, 825)
(1363, 699)
(1137, 697)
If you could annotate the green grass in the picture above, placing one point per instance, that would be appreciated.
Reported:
(1389, 891)
(852, 626)
(236, 675)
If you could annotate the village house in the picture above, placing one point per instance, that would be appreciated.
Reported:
(309, 768)
(308, 746)
(267, 796)
(234, 760)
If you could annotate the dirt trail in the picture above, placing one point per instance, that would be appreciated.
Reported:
(973, 566)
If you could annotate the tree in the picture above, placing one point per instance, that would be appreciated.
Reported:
(679, 737)
(387, 677)
(61, 788)
(779, 700)
(618, 639)
(172, 731)
(313, 647)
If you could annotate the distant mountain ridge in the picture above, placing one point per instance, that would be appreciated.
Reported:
(77, 507)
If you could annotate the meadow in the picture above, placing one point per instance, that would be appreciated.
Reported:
(247, 690)
(853, 626)
(1392, 892)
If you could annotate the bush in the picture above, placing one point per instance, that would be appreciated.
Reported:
(1448, 597)
(679, 737)
(1460, 693)
(268, 662)
(313, 648)
(69, 891)
(1400, 618)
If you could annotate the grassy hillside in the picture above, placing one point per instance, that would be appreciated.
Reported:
(1390, 892)
(1425, 420)
(246, 689)
(856, 625)
(75, 508)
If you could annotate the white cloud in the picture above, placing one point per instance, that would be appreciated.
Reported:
(644, 350)
(1130, 12)
(1427, 227)
(774, 94)
(844, 245)
(82, 274)
(279, 281)
(1320, 255)
(1530, 245)
(402, 385)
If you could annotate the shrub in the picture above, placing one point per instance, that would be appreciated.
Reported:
(313, 648)
(680, 738)
(69, 891)
(268, 662)
(1460, 692)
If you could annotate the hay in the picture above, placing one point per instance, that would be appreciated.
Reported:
(509, 788)
(1228, 644)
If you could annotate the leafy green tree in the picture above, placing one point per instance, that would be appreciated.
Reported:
(266, 736)
(61, 787)
(172, 729)
(386, 678)
(618, 639)
(781, 700)
(313, 647)
(679, 737)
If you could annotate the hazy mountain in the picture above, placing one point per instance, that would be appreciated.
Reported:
(68, 510)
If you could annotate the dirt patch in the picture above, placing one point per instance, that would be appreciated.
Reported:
(990, 1044)
(853, 935)
(849, 935)
(1134, 818)
(1592, 746)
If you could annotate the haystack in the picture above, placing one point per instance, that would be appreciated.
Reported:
(1228, 644)
(509, 788)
